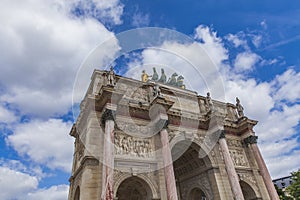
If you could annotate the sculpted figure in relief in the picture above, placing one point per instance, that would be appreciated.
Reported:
(128, 145)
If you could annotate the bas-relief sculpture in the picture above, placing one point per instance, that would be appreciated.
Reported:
(239, 158)
(133, 146)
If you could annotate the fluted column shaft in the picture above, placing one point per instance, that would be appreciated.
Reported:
(232, 175)
(168, 166)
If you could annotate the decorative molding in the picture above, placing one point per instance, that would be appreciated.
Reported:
(252, 139)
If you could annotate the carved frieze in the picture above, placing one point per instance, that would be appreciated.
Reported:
(134, 93)
(234, 143)
(132, 146)
(238, 157)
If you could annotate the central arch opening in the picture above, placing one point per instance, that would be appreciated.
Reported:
(190, 171)
(134, 188)
(197, 194)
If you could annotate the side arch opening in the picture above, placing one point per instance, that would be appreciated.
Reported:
(134, 188)
(77, 194)
(248, 192)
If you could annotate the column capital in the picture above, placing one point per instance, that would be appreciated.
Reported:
(222, 134)
(108, 114)
(252, 139)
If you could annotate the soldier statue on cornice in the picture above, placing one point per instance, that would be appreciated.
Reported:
(239, 108)
(111, 80)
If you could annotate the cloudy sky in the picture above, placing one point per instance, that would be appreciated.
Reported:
(235, 48)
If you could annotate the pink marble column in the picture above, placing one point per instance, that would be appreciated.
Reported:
(168, 163)
(232, 175)
(252, 140)
(108, 157)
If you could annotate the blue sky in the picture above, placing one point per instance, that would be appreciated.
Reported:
(254, 46)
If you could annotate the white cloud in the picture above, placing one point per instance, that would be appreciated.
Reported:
(276, 128)
(237, 40)
(45, 142)
(287, 86)
(255, 97)
(199, 62)
(283, 165)
(15, 184)
(22, 186)
(107, 11)
(139, 19)
(245, 61)
(17, 165)
(264, 24)
(43, 46)
(57, 192)
(212, 44)
(279, 124)
(7, 116)
(257, 40)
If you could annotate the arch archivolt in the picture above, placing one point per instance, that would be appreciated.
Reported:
(123, 176)
(175, 137)
(249, 179)
(201, 182)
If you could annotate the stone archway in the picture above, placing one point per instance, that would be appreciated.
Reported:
(248, 192)
(134, 188)
(191, 172)
(197, 194)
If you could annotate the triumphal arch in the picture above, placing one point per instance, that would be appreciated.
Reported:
(155, 139)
